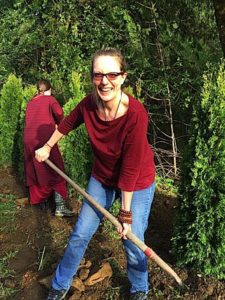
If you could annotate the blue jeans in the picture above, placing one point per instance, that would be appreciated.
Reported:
(87, 224)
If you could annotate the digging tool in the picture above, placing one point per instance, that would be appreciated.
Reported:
(148, 251)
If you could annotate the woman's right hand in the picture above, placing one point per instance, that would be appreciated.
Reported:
(42, 153)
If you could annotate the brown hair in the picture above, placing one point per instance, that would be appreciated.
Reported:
(43, 85)
(109, 52)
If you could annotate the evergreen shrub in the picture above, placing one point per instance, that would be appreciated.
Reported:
(10, 103)
(75, 146)
(199, 239)
(28, 93)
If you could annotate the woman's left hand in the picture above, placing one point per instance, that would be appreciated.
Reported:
(126, 228)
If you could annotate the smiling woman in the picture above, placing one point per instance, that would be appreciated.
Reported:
(117, 127)
(108, 75)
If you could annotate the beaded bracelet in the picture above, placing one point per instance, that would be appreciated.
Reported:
(125, 220)
(125, 216)
(125, 212)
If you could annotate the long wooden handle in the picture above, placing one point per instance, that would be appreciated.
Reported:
(141, 245)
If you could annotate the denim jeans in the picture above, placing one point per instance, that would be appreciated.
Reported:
(87, 224)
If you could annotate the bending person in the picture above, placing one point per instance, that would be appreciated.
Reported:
(43, 113)
(123, 160)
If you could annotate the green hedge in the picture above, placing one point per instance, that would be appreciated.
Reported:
(10, 104)
(200, 231)
(75, 146)
(28, 93)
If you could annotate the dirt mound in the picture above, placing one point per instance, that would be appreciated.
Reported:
(40, 239)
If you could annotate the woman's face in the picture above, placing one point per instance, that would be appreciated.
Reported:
(108, 87)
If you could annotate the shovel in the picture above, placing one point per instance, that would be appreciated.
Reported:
(141, 245)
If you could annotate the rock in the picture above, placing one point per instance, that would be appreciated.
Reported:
(88, 264)
(85, 264)
(22, 201)
(27, 278)
(83, 273)
(82, 262)
(78, 284)
(105, 271)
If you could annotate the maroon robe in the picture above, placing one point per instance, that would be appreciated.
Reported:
(42, 114)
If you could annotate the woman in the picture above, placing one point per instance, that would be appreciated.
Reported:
(43, 113)
(117, 128)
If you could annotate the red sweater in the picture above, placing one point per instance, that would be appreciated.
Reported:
(123, 156)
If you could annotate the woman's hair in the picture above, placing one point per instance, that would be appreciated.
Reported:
(113, 52)
(43, 85)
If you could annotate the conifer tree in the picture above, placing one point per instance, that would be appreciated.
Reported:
(10, 104)
(200, 232)
(75, 146)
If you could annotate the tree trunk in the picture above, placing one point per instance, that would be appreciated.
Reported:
(219, 6)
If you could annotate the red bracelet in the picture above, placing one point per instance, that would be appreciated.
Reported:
(125, 212)
(125, 220)
(125, 216)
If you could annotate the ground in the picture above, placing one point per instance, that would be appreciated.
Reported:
(40, 239)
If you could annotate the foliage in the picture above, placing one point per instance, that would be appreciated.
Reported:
(7, 212)
(108, 227)
(5, 272)
(5, 291)
(75, 146)
(199, 237)
(7, 224)
(112, 293)
(28, 93)
(10, 102)
(166, 185)
(166, 46)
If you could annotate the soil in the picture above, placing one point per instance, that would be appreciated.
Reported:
(40, 239)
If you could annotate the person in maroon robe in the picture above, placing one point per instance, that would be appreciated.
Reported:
(43, 113)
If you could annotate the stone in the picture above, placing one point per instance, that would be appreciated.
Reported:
(83, 273)
(78, 284)
(22, 201)
(104, 272)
